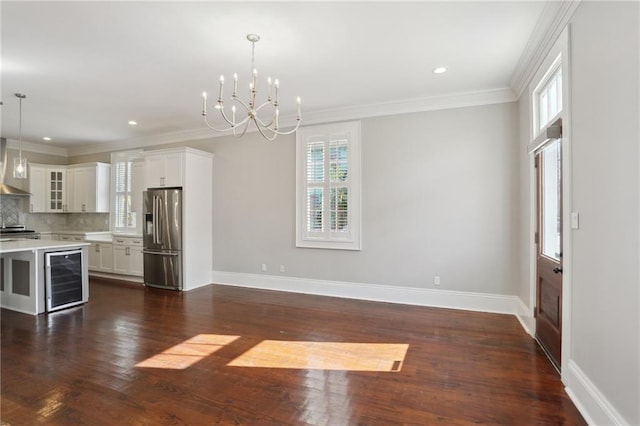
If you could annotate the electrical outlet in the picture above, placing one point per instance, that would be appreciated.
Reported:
(281, 268)
(264, 267)
(436, 280)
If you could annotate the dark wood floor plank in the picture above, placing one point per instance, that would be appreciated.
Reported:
(78, 366)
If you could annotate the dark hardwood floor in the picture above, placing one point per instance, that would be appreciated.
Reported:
(228, 355)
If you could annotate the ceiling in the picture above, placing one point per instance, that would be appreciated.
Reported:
(88, 68)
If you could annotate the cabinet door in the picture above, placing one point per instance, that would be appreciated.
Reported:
(154, 171)
(106, 257)
(69, 205)
(121, 259)
(56, 190)
(89, 194)
(164, 170)
(137, 262)
(100, 194)
(38, 189)
(173, 169)
(94, 257)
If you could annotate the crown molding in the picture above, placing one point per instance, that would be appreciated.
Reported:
(458, 100)
(407, 106)
(37, 148)
(553, 20)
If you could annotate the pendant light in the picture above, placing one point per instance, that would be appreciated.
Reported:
(19, 162)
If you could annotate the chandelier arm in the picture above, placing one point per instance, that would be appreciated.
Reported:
(264, 104)
(264, 135)
(246, 126)
(236, 99)
(262, 123)
(224, 116)
(213, 128)
(290, 131)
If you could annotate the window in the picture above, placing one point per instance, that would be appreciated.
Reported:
(328, 186)
(125, 197)
(548, 97)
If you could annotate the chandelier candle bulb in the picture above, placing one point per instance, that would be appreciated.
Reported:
(204, 103)
(269, 88)
(277, 84)
(220, 92)
(298, 101)
(235, 85)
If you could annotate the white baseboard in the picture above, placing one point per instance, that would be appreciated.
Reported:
(480, 302)
(524, 315)
(592, 404)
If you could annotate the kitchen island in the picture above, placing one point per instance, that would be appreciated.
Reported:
(23, 276)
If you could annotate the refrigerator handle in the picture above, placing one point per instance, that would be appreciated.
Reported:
(155, 219)
(159, 221)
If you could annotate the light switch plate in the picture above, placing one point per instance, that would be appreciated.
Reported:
(575, 220)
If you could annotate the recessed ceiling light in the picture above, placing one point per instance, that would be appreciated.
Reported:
(439, 70)
(133, 123)
(46, 138)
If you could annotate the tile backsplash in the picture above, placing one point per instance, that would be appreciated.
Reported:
(43, 222)
(11, 210)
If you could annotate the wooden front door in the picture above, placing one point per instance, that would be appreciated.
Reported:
(549, 243)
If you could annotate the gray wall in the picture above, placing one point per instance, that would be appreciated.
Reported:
(440, 196)
(605, 304)
(606, 248)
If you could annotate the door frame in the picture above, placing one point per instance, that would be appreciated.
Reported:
(559, 50)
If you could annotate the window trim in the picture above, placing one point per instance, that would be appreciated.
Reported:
(338, 242)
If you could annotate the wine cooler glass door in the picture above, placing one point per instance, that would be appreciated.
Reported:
(64, 279)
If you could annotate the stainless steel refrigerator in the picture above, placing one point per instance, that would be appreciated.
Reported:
(162, 235)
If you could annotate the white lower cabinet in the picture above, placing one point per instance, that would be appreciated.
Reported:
(101, 257)
(137, 263)
(127, 256)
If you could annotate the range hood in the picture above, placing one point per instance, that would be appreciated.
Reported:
(4, 188)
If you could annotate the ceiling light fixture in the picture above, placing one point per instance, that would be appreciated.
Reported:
(46, 138)
(20, 163)
(268, 129)
(132, 123)
(439, 70)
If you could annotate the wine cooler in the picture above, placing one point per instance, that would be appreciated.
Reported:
(64, 279)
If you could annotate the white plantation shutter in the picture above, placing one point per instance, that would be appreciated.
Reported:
(124, 220)
(328, 186)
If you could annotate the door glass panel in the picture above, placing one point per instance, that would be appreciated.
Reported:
(551, 201)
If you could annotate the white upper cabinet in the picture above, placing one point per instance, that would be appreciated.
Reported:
(89, 188)
(47, 185)
(164, 168)
(38, 188)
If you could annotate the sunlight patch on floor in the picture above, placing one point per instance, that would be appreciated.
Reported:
(189, 352)
(324, 356)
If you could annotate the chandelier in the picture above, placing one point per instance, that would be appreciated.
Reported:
(20, 163)
(268, 125)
